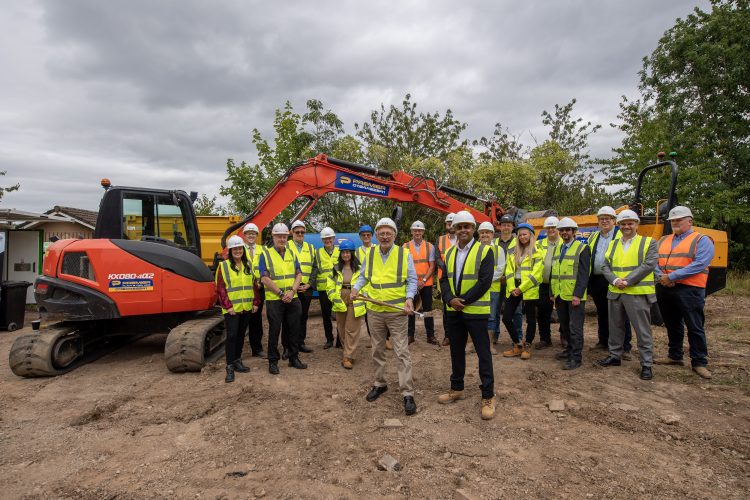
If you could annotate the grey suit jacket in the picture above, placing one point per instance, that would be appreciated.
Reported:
(636, 275)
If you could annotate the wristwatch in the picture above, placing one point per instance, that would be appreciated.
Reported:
(281, 293)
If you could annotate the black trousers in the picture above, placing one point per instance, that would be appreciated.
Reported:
(681, 306)
(459, 327)
(571, 323)
(429, 322)
(326, 307)
(236, 325)
(286, 316)
(544, 313)
(597, 289)
(305, 299)
(529, 306)
(255, 327)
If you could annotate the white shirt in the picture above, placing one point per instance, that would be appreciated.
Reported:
(461, 254)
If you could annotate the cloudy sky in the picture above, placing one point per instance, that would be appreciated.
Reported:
(161, 93)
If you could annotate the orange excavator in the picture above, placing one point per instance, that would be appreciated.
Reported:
(142, 273)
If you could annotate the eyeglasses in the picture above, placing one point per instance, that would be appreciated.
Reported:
(299, 232)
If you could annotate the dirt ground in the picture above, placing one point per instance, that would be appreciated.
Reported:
(124, 427)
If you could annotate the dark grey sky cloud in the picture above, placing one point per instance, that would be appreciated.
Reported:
(162, 93)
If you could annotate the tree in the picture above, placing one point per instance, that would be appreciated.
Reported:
(207, 206)
(9, 189)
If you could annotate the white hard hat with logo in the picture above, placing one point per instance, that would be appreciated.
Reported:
(486, 226)
(627, 215)
(250, 227)
(298, 223)
(417, 224)
(280, 228)
(606, 210)
(327, 232)
(235, 241)
(386, 222)
(551, 221)
(679, 212)
(449, 217)
(567, 222)
(464, 217)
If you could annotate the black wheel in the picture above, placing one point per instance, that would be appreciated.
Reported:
(12, 327)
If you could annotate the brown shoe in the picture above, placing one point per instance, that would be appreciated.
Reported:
(388, 344)
(347, 363)
(411, 340)
(703, 372)
(669, 361)
(433, 341)
(445, 342)
(488, 408)
(525, 353)
(451, 397)
(512, 353)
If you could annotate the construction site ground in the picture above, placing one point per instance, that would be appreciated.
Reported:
(125, 427)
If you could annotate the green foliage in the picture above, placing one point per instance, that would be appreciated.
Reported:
(9, 189)
(207, 206)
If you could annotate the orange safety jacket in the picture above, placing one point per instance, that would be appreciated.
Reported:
(421, 259)
(444, 243)
(671, 259)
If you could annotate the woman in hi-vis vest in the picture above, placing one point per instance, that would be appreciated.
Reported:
(234, 286)
(349, 314)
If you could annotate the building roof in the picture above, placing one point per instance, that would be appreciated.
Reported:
(87, 217)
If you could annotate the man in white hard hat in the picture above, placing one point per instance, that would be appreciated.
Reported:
(598, 286)
(390, 277)
(508, 241)
(682, 275)
(568, 280)
(544, 312)
(445, 241)
(255, 328)
(325, 258)
(487, 236)
(281, 275)
(423, 255)
(305, 254)
(629, 267)
(465, 285)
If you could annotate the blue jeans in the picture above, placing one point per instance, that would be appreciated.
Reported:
(493, 324)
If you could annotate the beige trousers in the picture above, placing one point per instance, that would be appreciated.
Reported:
(349, 328)
(381, 323)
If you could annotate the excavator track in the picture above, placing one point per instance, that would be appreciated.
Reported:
(47, 353)
(194, 343)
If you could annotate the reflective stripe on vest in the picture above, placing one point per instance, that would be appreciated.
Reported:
(527, 268)
(239, 287)
(469, 277)
(325, 266)
(682, 255)
(305, 258)
(444, 243)
(387, 281)
(496, 249)
(281, 271)
(334, 293)
(420, 258)
(623, 263)
(563, 276)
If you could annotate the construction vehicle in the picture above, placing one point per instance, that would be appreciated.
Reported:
(143, 274)
(654, 222)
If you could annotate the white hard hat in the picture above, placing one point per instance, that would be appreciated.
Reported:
(250, 227)
(449, 217)
(627, 215)
(417, 224)
(567, 222)
(679, 212)
(386, 221)
(280, 228)
(235, 241)
(551, 221)
(298, 223)
(327, 232)
(486, 226)
(464, 217)
(606, 210)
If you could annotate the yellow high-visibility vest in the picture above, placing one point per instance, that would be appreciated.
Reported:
(469, 276)
(387, 280)
(281, 271)
(562, 279)
(239, 287)
(624, 262)
(325, 266)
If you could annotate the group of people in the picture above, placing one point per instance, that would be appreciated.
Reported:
(483, 282)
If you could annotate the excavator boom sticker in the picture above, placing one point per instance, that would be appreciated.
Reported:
(131, 282)
(358, 184)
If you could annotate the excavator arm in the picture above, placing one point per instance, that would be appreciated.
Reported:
(318, 176)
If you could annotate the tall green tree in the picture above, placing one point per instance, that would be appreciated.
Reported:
(8, 189)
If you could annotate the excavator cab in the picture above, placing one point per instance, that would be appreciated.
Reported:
(656, 214)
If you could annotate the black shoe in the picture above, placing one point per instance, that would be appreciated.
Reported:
(410, 407)
(599, 347)
(375, 393)
(239, 367)
(562, 355)
(328, 344)
(571, 365)
(608, 361)
(542, 344)
(432, 340)
(411, 340)
(305, 349)
(230, 374)
(294, 362)
(285, 354)
(273, 368)
(646, 373)
(260, 354)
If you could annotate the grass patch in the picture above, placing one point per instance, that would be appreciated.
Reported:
(738, 284)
